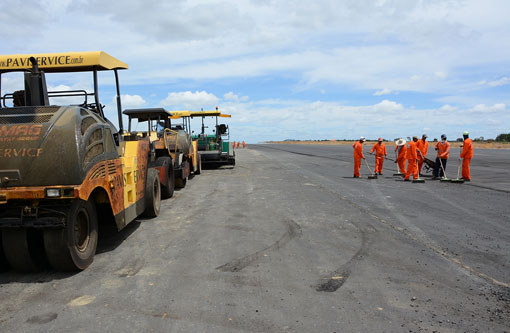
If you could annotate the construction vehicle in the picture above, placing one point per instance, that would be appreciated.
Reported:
(172, 143)
(66, 171)
(214, 148)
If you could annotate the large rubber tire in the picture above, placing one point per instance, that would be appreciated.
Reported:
(4, 264)
(199, 165)
(167, 189)
(24, 249)
(180, 182)
(73, 247)
(152, 194)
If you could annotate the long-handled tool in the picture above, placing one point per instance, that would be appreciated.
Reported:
(372, 175)
(444, 178)
(382, 156)
(418, 180)
(398, 174)
(458, 180)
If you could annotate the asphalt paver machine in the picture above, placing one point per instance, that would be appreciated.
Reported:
(214, 148)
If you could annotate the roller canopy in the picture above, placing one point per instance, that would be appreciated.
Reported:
(145, 114)
(62, 62)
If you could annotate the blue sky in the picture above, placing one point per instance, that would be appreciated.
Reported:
(290, 69)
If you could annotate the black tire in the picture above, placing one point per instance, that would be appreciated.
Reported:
(167, 188)
(24, 249)
(73, 247)
(180, 182)
(4, 264)
(152, 194)
(199, 165)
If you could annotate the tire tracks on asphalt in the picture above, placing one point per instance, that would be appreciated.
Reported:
(292, 230)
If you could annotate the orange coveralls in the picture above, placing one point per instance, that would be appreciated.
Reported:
(380, 154)
(443, 150)
(412, 156)
(466, 155)
(401, 158)
(358, 155)
(423, 146)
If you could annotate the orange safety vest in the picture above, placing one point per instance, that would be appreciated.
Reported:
(358, 150)
(467, 149)
(423, 146)
(411, 151)
(380, 149)
(402, 152)
(443, 150)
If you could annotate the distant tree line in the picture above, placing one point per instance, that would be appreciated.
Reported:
(503, 137)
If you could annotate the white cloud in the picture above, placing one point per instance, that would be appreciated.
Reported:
(131, 101)
(448, 108)
(190, 100)
(230, 96)
(385, 91)
(388, 106)
(501, 82)
(440, 75)
(499, 107)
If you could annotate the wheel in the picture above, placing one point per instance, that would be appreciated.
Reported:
(73, 247)
(199, 165)
(167, 190)
(4, 264)
(152, 194)
(180, 182)
(24, 249)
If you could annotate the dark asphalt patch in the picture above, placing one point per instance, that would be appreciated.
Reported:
(334, 283)
(42, 319)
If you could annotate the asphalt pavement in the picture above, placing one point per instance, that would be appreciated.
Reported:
(288, 241)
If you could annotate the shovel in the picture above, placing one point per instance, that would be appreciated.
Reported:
(418, 180)
(444, 179)
(399, 174)
(372, 176)
(458, 180)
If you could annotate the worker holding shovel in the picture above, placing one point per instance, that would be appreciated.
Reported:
(443, 152)
(466, 155)
(358, 155)
(380, 155)
(412, 156)
(423, 146)
(401, 151)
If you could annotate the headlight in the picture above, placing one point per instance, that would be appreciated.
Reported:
(52, 192)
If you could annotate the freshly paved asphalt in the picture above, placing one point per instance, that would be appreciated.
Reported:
(288, 241)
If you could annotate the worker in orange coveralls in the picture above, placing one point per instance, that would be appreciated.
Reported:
(380, 155)
(244, 144)
(358, 155)
(401, 149)
(423, 146)
(412, 155)
(466, 155)
(443, 152)
(238, 144)
(233, 144)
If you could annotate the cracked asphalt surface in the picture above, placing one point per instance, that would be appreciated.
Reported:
(288, 241)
